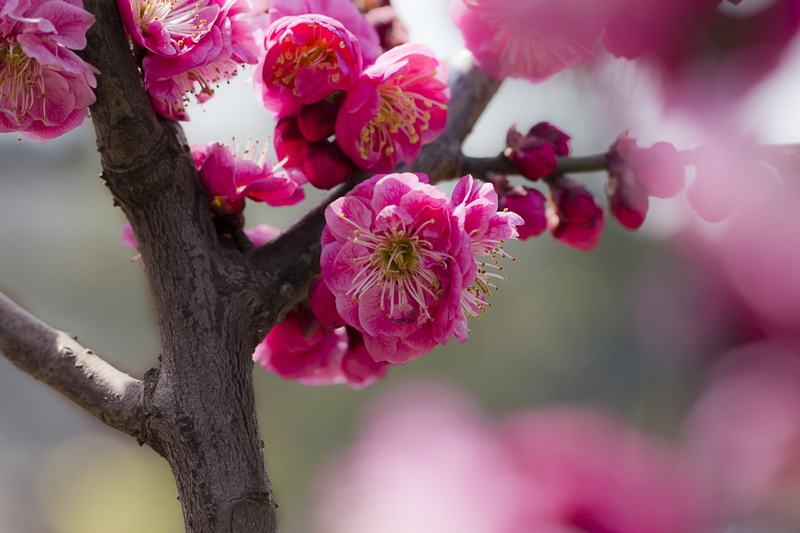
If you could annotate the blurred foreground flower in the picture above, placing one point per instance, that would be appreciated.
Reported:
(428, 461)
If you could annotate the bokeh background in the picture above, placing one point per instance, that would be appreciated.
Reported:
(618, 327)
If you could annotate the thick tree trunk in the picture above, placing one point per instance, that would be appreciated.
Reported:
(198, 407)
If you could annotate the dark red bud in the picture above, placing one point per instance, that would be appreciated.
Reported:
(326, 165)
(290, 143)
(551, 134)
(574, 202)
(530, 205)
(627, 202)
(317, 121)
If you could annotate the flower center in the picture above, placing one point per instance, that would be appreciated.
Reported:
(21, 82)
(317, 53)
(181, 19)
(393, 262)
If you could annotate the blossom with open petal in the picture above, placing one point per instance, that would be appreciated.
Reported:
(342, 10)
(229, 177)
(215, 59)
(45, 87)
(400, 261)
(475, 207)
(397, 105)
(531, 39)
(309, 57)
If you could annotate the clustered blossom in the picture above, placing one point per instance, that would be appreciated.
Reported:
(45, 88)
(320, 75)
(191, 47)
(401, 259)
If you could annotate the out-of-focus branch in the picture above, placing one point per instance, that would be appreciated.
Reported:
(58, 360)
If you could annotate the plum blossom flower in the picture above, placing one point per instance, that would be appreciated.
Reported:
(170, 27)
(45, 87)
(533, 39)
(229, 177)
(309, 57)
(476, 211)
(342, 10)
(216, 58)
(400, 261)
(397, 105)
(304, 349)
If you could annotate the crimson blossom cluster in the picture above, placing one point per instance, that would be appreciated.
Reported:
(315, 78)
(403, 267)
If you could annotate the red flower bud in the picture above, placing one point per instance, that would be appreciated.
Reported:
(290, 142)
(530, 205)
(627, 201)
(317, 121)
(326, 165)
(574, 216)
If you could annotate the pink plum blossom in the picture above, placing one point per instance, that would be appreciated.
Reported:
(423, 455)
(397, 105)
(308, 57)
(229, 177)
(304, 349)
(342, 10)
(170, 28)
(216, 58)
(45, 87)
(400, 260)
(533, 39)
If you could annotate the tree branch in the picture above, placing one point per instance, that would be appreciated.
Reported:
(58, 360)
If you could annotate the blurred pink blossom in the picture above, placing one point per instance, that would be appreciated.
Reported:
(533, 39)
(745, 430)
(427, 460)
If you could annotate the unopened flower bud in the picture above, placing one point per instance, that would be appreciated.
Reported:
(530, 205)
(574, 216)
(326, 165)
(534, 154)
(317, 121)
(290, 143)
(627, 201)
(551, 134)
